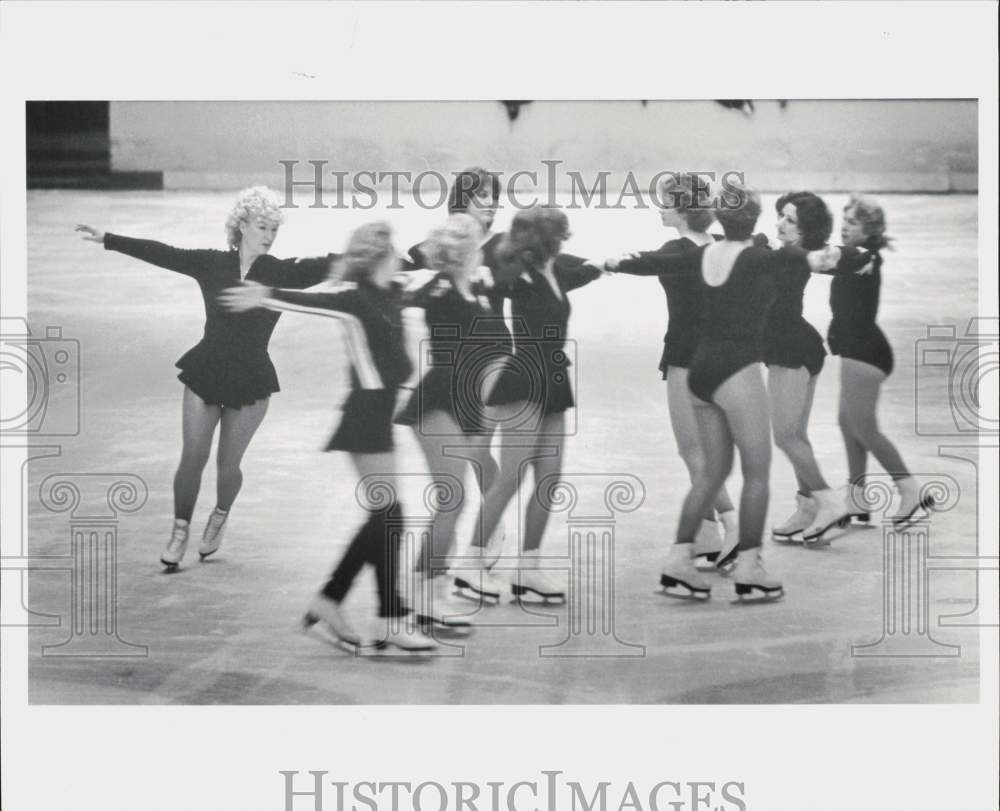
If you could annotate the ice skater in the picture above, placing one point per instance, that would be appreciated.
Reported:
(793, 352)
(447, 408)
(681, 208)
(532, 392)
(866, 361)
(228, 376)
(368, 306)
(731, 405)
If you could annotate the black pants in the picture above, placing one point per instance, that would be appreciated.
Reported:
(377, 542)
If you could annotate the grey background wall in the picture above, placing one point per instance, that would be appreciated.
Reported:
(913, 145)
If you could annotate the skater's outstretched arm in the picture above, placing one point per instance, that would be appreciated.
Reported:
(297, 274)
(250, 296)
(675, 259)
(188, 262)
(573, 272)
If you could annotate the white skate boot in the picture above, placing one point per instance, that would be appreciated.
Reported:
(680, 578)
(481, 586)
(431, 606)
(532, 580)
(211, 538)
(409, 637)
(911, 506)
(707, 546)
(858, 508)
(323, 609)
(831, 518)
(174, 551)
(494, 547)
(730, 541)
(791, 530)
(752, 581)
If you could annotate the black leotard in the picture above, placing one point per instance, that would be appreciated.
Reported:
(373, 327)
(466, 340)
(230, 366)
(790, 340)
(733, 313)
(685, 294)
(537, 372)
(853, 333)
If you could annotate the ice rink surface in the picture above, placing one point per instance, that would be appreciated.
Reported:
(226, 631)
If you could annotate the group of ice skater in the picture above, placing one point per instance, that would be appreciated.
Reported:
(733, 303)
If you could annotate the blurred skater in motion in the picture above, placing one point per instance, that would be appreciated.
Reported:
(476, 194)
(447, 409)
(532, 392)
(228, 376)
(866, 362)
(681, 208)
(368, 306)
(793, 351)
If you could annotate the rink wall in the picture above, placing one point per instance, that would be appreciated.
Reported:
(878, 146)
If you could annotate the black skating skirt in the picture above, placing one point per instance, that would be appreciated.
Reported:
(522, 380)
(366, 426)
(678, 350)
(226, 379)
(443, 390)
(869, 346)
(714, 362)
(794, 348)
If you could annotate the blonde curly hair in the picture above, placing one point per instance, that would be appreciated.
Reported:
(451, 247)
(256, 201)
(871, 215)
(367, 248)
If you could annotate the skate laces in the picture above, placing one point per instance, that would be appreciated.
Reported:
(178, 539)
(215, 522)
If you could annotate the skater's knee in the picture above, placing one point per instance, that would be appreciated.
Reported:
(194, 459)
(787, 438)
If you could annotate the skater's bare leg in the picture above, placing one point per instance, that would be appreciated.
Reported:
(716, 446)
(681, 405)
(197, 428)
(436, 434)
(862, 383)
(857, 453)
(547, 464)
(790, 393)
(238, 425)
(744, 400)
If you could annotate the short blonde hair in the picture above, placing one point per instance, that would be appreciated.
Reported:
(451, 247)
(256, 201)
(871, 215)
(367, 248)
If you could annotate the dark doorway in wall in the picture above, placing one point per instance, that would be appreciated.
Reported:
(69, 147)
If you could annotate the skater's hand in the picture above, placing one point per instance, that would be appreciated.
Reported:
(90, 233)
(611, 265)
(824, 259)
(867, 269)
(247, 296)
(483, 276)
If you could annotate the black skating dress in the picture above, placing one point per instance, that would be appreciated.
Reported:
(538, 370)
(230, 366)
(466, 341)
(373, 332)
(853, 333)
(735, 314)
(684, 293)
(789, 340)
